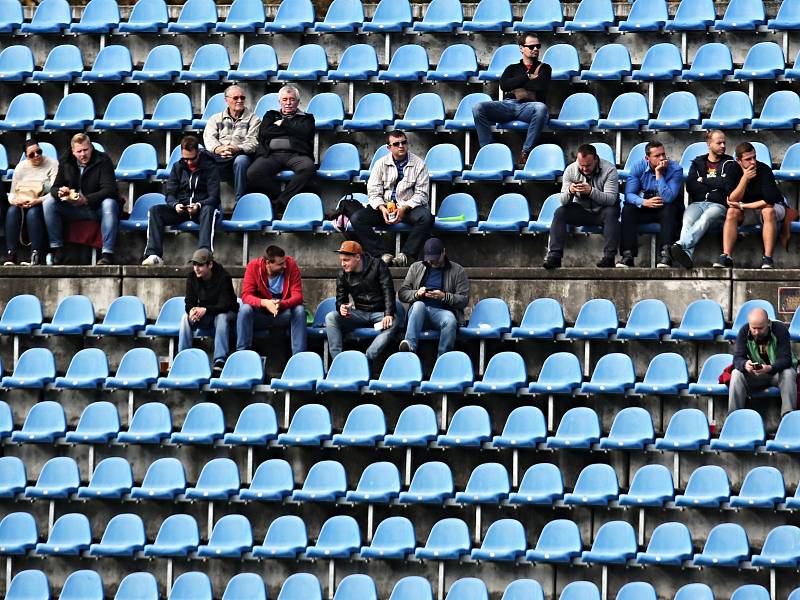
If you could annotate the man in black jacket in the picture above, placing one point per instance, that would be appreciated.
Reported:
(368, 282)
(525, 85)
(285, 141)
(708, 197)
(192, 195)
(210, 304)
(84, 189)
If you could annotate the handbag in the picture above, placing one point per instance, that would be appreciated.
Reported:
(347, 207)
(28, 190)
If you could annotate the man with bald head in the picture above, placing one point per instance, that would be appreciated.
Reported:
(762, 358)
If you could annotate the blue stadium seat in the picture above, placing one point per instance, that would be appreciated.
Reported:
(442, 16)
(409, 63)
(543, 319)
(22, 315)
(112, 478)
(463, 119)
(173, 111)
(711, 61)
(219, 480)
(652, 485)
(164, 479)
(693, 15)
(191, 586)
(123, 536)
(432, 483)
(579, 111)
(204, 424)
(124, 111)
(44, 423)
(18, 533)
(137, 586)
(147, 16)
(87, 369)
(302, 371)
(379, 483)
(444, 162)
(743, 430)
(125, 316)
(339, 537)
(177, 536)
(35, 369)
(628, 111)
(732, 110)
(763, 487)
(416, 426)
(389, 16)
(210, 63)
(364, 173)
(113, 63)
(151, 423)
(541, 15)
(252, 212)
(25, 113)
(75, 111)
(424, 111)
(163, 63)
(70, 535)
(243, 369)
(308, 63)
(356, 586)
(742, 15)
(343, 16)
(374, 111)
(741, 316)
(293, 16)
(781, 111)
(662, 62)
(244, 16)
(542, 225)
(702, 320)
(29, 585)
(348, 372)
(51, 16)
(523, 589)
(790, 166)
(750, 592)
(786, 438)
(327, 110)
(525, 428)
(694, 591)
(303, 213)
(666, 374)
(197, 16)
(509, 212)
(447, 540)
(504, 540)
(580, 590)
(560, 374)
(214, 105)
(286, 538)
(649, 320)
(310, 425)
(632, 429)
(58, 478)
(452, 373)
(597, 319)
(541, 484)
(457, 63)
(458, 212)
(635, 155)
(469, 426)
(82, 585)
(412, 588)
(645, 15)
(764, 60)
(610, 62)
(501, 58)
(245, 585)
(726, 546)
(12, 17)
(365, 426)
(505, 374)
(579, 428)
(563, 60)
(781, 549)
(394, 538)
(597, 485)
(231, 536)
(490, 15)
(490, 317)
(559, 542)
(258, 63)
(687, 430)
(6, 420)
(488, 484)
(670, 544)
(325, 482)
(340, 162)
(708, 486)
(189, 371)
(613, 374)
(614, 543)
(788, 17)
(272, 482)
(545, 163)
(591, 15)
(138, 162)
(138, 369)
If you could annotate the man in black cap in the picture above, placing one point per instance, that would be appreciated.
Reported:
(437, 292)
(210, 303)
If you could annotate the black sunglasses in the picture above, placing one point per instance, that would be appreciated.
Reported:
(33, 153)
(237, 97)
(531, 46)
(400, 143)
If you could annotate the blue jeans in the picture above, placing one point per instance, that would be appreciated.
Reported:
(698, 218)
(420, 315)
(57, 211)
(336, 325)
(487, 114)
(34, 217)
(162, 215)
(234, 169)
(251, 318)
(221, 325)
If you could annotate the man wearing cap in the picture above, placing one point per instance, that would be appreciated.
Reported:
(437, 292)
(210, 303)
(364, 298)
(272, 296)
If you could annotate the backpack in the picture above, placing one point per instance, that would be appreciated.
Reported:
(340, 219)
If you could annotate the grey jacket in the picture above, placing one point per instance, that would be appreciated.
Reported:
(222, 128)
(455, 283)
(604, 182)
(412, 191)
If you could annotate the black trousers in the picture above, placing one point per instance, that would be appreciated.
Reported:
(633, 216)
(261, 176)
(575, 214)
(420, 219)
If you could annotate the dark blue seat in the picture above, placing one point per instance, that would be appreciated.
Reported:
(147, 16)
(219, 480)
(726, 546)
(123, 536)
(578, 428)
(151, 423)
(525, 428)
(244, 16)
(70, 535)
(447, 540)
(112, 478)
(286, 538)
(559, 542)
(165, 478)
(124, 111)
(652, 485)
(432, 483)
(293, 16)
(614, 543)
(416, 426)
(670, 544)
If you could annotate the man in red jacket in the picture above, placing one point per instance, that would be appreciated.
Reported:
(272, 296)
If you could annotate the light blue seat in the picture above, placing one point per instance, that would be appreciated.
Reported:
(25, 113)
(252, 212)
(614, 543)
(711, 61)
(219, 480)
(163, 63)
(559, 542)
(501, 58)
(125, 316)
(173, 111)
(255, 426)
(645, 15)
(363, 175)
(272, 482)
(58, 478)
(44, 423)
(629, 111)
(488, 484)
(244, 16)
(302, 371)
(447, 540)
(666, 374)
(63, 63)
(379, 483)
(35, 369)
(339, 537)
(579, 111)
(177, 536)
(591, 15)
(542, 224)
(597, 319)
(365, 426)
(349, 372)
(374, 111)
(416, 426)
(693, 15)
(315, 330)
(563, 60)
(670, 544)
(258, 63)
(29, 585)
(394, 538)
(6, 420)
(197, 16)
(151, 423)
(442, 16)
(541, 15)
(70, 535)
(210, 63)
(432, 483)
(463, 119)
(243, 369)
(189, 371)
(343, 16)
(561, 374)
(75, 111)
(412, 588)
(112, 478)
(340, 162)
(613, 374)
(469, 426)
(597, 485)
(87, 369)
(231, 536)
(113, 63)
(138, 162)
(409, 63)
(82, 585)
(523, 589)
(662, 62)
(51, 16)
(707, 486)
(579, 428)
(635, 155)
(191, 586)
(687, 430)
(649, 320)
(310, 425)
(580, 590)
(610, 62)
(632, 429)
(732, 110)
(147, 16)
(138, 369)
(325, 482)
(652, 485)
(327, 110)
(781, 549)
(452, 373)
(781, 111)
(702, 320)
(750, 592)
(787, 19)
(490, 15)
(356, 586)
(764, 60)
(708, 380)
(790, 167)
(726, 546)
(286, 538)
(389, 16)
(509, 212)
(245, 585)
(545, 163)
(12, 17)
(18, 533)
(786, 438)
(741, 15)
(308, 63)
(490, 318)
(137, 586)
(204, 424)
(215, 104)
(743, 430)
(505, 374)
(541, 484)
(457, 63)
(293, 16)
(741, 316)
(468, 587)
(444, 162)
(303, 213)
(164, 479)
(458, 212)
(425, 111)
(124, 111)
(123, 536)
(763, 487)
(504, 540)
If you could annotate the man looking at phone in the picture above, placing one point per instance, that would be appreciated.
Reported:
(762, 358)
(192, 193)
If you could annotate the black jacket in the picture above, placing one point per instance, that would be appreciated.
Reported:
(701, 187)
(185, 187)
(96, 183)
(783, 347)
(371, 288)
(762, 187)
(299, 130)
(515, 76)
(215, 295)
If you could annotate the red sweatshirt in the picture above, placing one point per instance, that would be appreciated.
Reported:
(255, 286)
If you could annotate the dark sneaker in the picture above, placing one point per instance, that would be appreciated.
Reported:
(606, 262)
(724, 262)
(405, 346)
(664, 260)
(106, 259)
(216, 371)
(680, 256)
(551, 261)
(523, 158)
(767, 262)
(56, 257)
(36, 258)
(10, 259)
(626, 261)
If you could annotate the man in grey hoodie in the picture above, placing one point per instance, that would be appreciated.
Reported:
(589, 196)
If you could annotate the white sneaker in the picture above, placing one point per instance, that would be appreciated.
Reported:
(387, 258)
(401, 260)
(152, 261)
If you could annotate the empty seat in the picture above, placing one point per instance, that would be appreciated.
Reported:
(394, 538)
(591, 15)
(258, 62)
(416, 426)
(286, 538)
(71, 534)
(711, 61)
(541, 484)
(463, 118)
(687, 430)
(702, 320)
(125, 316)
(522, 589)
(172, 111)
(509, 213)
(708, 380)
(137, 586)
(694, 591)
(197, 16)
(356, 586)
(742, 16)
(732, 110)
(469, 426)
(432, 483)
(138, 161)
(781, 549)
(613, 374)
(743, 430)
(339, 162)
(303, 213)
(219, 480)
(339, 537)
(123, 536)
(75, 111)
(138, 369)
(29, 585)
(457, 63)
(210, 63)
(147, 16)
(628, 111)
(790, 165)
(726, 546)
(610, 62)
(343, 16)
(451, 373)
(113, 63)
(708, 486)
(458, 212)
(204, 424)
(649, 319)
(662, 62)
(635, 155)
(177, 536)
(163, 63)
(781, 111)
(502, 57)
(25, 113)
(82, 585)
(504, 540)
(302, 371)
(559, 542)
(273, 481)
(124, 111)
(12, 16)
(505, 374)
(541, 15)
(764, 60)
(750, 592)
(44, 423)
(652, 485)
(579, 428)
(189, 371)
(380, 482)
(448, 540)
(645, 15)
(112, 478)
(389, 16)
(666, 375)
(191, 586)
(563, 60)
(230, 537)
(670, 544)
(425, 111)
(525, 428)
(325, 482)
(365, 426)
(560, 374)
(373, 112)
(402, 372)
(255, 426)
(18, 533)
(441, 16)
(488, 484)
(243, 16)
(327, 110)
(22, 315)
(51, 16)
(597, 485)
(597, 319)
(545, 162)
(310, 425)
(763, 487)
(165, 478)
(292, 16)
(490, 15)
(786, 438)
(492, 163)
(409, 63)
(243, 369)
(693, 15)
(309, 62)
(614, 543)
(632, 429)
(579, 111)
(543, 318)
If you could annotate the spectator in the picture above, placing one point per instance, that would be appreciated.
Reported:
(364, 298)
(272, 296)
(651, 196)
(192, 195)
(589, 196)
(85, 188)
(210, 303)
(398, 193)
(762, 358)
(753, 198)
(232, 137)
(705, 186)
(525, 84)
(285, 141)
(31, 183)
(437, 292)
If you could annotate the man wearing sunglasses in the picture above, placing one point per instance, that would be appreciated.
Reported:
(525, 85)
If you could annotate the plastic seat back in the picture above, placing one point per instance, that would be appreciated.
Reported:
(300, 586)
(191, 586)
(356, 586)
(563, 60)
(417, 421)
(138, 586)
(412, 587)
(495, 160)
(122, 108)
(83, 585)
(711, 61)
(454, 206)
(22, 314)
(662, 61)
(611, 61)
(327, 109)
(501, 58)
(147, 15)
(245, 585)
(509, 210)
